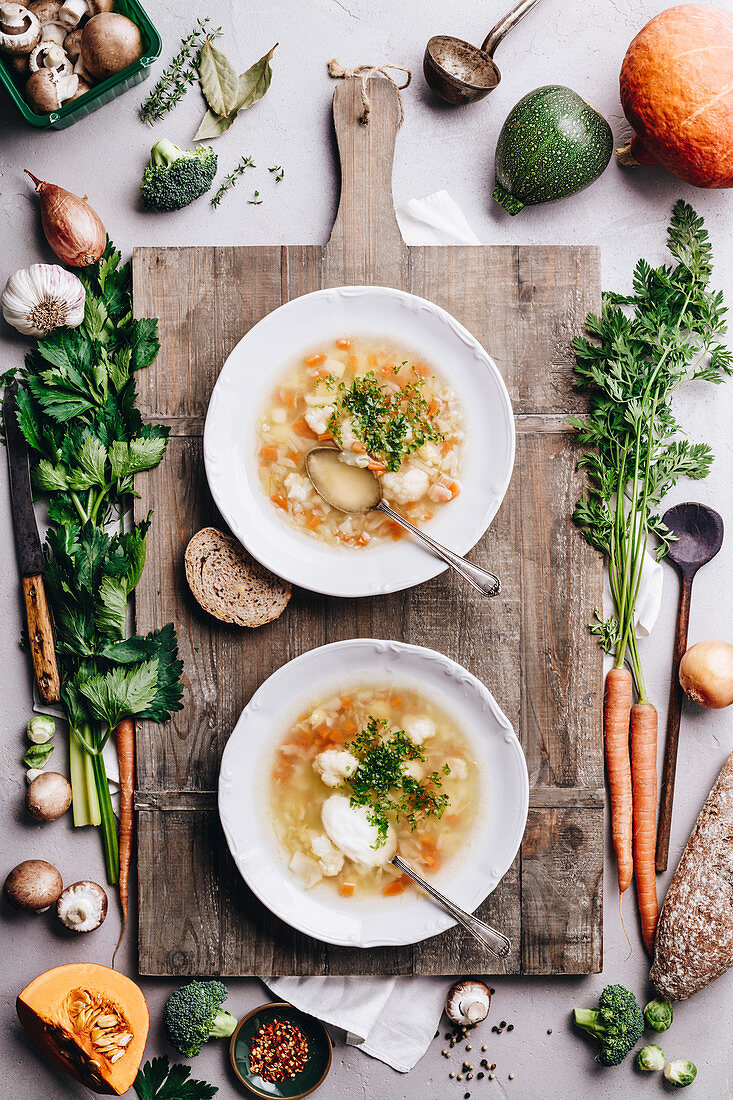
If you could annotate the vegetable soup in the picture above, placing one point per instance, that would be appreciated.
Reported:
(383, 408)
(364, 774)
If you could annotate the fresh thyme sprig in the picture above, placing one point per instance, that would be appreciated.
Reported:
(231, 180)
(256, 200)
(641, 348)
(278, 172)
(180, 74)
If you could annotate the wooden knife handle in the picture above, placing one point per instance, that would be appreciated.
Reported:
(40, 638)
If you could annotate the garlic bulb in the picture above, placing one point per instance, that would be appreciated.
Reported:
(43, 297)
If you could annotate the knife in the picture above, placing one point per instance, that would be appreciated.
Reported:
(31, 559)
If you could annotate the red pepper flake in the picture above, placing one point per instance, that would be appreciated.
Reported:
(278, 1051)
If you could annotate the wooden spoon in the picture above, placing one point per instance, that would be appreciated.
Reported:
(699, 536)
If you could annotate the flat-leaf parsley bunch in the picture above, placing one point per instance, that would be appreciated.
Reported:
(76, 409)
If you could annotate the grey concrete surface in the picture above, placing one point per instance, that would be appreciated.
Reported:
(576, 42)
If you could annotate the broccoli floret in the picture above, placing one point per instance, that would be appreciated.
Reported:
(192, 1016)
(617, 1023)
(175, 177)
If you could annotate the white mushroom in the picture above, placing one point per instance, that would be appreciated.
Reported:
(109, 43)
(82, 906)
(468, 1002)
(48, 797)
(73, 11)
(47, 55)
(47, 91)
(47, 14)
(33, 886)
(81, 89)
(20, 30)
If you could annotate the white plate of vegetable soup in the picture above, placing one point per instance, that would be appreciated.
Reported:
(381, 747)
(394, 383)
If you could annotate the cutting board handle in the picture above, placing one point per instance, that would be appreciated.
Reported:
(365, 236)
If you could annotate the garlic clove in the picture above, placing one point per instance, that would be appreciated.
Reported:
(43, 297)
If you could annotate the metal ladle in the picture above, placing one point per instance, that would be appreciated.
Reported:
(488, 584)
(461, 73)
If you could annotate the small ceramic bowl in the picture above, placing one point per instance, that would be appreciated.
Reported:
(319, 1049)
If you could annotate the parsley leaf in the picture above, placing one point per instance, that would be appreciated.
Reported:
(157, 1081)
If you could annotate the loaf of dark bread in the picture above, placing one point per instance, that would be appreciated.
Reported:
(230, 584)
(694, 943)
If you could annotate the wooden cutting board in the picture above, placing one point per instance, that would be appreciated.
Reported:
(531, 646)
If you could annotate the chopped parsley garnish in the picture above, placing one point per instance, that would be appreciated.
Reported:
(380, 784)
(383, 420)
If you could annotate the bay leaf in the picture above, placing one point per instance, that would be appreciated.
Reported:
(254, 83)
(219, 81)
(213, 125)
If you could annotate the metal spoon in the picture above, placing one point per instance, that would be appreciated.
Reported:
(699, 536)
(369, 491)
(487, 936)
(461, 73)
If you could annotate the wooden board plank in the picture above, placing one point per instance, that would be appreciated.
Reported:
(531, 646)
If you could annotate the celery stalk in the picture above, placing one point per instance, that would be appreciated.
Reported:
(86, 808)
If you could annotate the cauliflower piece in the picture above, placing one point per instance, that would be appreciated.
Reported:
(330, 859)
(317, 418)
(419, 729)
(317, 718)
(458, 767)
(405, 485)
(298, 487)
(335, 765)
(352, 832)
(429, 453)
(414, 769)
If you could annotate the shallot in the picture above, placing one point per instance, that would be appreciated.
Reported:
(73, 230)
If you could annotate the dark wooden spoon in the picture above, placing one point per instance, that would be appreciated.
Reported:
(699, 536)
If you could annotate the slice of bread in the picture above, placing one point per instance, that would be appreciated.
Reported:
(230, 584)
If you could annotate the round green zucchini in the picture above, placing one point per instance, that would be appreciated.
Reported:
(552, 145)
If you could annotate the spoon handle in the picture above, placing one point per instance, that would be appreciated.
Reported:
(495, 35)
(488, 584)
(487, 936)
(674, 713)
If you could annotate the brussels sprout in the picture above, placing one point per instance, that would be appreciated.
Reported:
(650, 1057)
(41, 729)
(680, 1072)
(658, 1014)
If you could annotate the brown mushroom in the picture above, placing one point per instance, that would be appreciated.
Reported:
(72, 45)
(73, 11)
(20, 31)
(82, 906)
(468, 1002)
(47, 14)
(109, 43)
(47, 55)
(82, 88)
(48, 797)
(18, 63)
(33, 886)
(47, 91)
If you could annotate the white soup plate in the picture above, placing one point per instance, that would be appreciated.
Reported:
(246, 816)
(246, 383)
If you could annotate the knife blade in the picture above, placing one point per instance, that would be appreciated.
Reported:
(31, 559)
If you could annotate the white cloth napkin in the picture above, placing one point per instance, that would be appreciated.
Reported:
(392, 1019)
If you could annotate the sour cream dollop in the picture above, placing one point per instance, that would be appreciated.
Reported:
(349, 828)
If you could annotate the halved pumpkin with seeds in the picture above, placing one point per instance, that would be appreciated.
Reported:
(89, 1020)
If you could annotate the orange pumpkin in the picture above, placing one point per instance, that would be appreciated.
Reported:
(90, 1021)
(677, 93)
